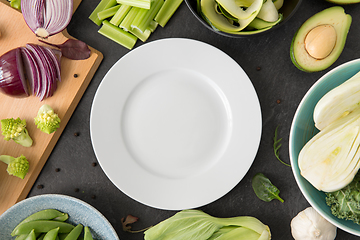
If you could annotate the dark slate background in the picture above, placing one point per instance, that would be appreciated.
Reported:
(70, 166)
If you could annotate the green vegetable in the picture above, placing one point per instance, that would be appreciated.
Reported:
(146, 4)
(118, 35)
(15, 129)
(166, 11)
(31, 235)
(197, 225)
(47, 120)
(338, 102)
(15, 4)
(18, 167)
(42, 226)
(87, 234)
(52, 234)
(108, 12)
(277, 146)
(120, 14)
(75, 233)
(264, 189)
(103, 5)
(46, 214)
(145, 16)
(344, 203)
(129, 18)
(330, 159)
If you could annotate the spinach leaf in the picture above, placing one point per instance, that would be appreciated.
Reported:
(264, 189)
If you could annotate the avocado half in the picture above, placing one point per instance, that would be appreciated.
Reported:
(343, 2)
(333, 16)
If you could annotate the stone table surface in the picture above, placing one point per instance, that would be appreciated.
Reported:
(72, 168)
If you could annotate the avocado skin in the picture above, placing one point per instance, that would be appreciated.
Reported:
(310, 64)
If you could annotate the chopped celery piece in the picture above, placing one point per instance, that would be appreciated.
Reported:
(118, 35)
(166, 11)
(143, 36)
(144, 17)
(153, 25)
(136, 3)
(108, 12)
(120, 14)
(126, 23)
(103, 4)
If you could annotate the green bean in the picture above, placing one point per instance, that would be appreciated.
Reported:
(52, 234)
(87, 234)
(42, 226)
(23, 236)
(75, 233)
(31, 235)
(46, 214)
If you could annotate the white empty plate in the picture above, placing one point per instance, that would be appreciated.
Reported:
(175, 124)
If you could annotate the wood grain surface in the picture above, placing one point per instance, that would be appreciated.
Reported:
(15, 33)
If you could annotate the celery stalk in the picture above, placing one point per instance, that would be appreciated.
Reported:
(103, 4)
(120, 14)
(118, 35)
(144, 17)
(143, 36)
(126, 23)
(136, 3)
(108, 12)
(153, 25)
(166, 11)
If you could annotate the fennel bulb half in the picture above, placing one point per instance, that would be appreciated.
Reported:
(338, 102)
(330, 160)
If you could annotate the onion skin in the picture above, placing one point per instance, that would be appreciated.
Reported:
(12, 79)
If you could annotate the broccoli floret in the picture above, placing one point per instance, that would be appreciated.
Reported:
(18, 167)
(15, 129)
(47, 120)
(345, 203)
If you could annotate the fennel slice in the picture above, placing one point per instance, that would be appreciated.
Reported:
(337, 102)
(328, 157)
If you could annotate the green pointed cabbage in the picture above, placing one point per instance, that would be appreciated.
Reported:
(338, 102)
(330, 160)
(197, 225)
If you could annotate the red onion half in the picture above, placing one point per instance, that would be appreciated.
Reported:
(12, 78)
(35, 66)
(47, 17)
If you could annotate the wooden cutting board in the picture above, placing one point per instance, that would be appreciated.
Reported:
(15, 33)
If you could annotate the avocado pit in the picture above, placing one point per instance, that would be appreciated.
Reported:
(320, 41)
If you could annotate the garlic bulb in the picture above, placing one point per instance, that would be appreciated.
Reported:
(309, 225)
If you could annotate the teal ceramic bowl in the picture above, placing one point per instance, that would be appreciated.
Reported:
(303, 129)
(79, 212)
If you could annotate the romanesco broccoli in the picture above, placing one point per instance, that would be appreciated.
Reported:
(47, 120)
(345, 203)
(15, 129)
(18, 167)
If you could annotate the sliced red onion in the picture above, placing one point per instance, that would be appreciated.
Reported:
(31, 69)
(12, 78)
(47, 17)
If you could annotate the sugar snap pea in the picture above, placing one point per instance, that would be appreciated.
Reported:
(75, 233)
(52, 234)
(87, 234)
(46, 214)
(31, 235)
(43, 226)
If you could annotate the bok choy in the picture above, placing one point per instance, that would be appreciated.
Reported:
(197, 225)
(330, 160)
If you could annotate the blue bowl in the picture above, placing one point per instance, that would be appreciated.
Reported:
(303, 128)
(79, 212)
